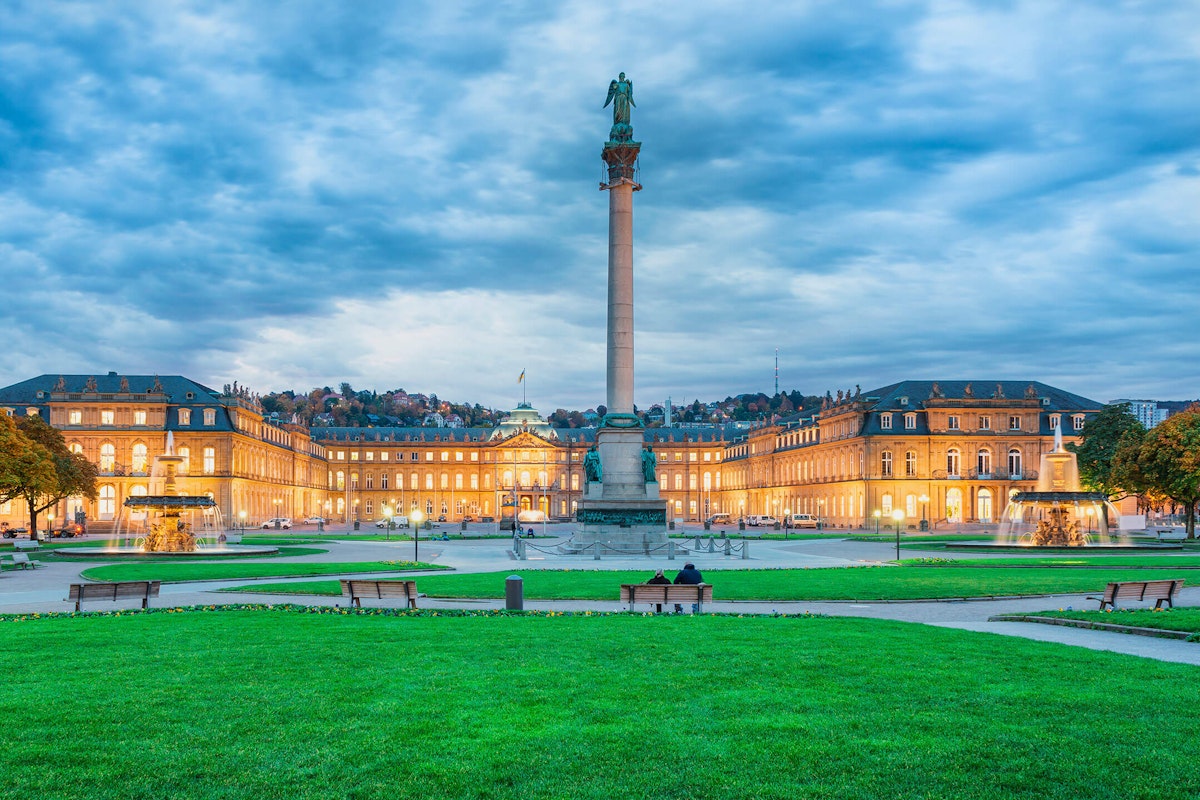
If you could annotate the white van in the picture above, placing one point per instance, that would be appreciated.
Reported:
(718, 519)
(802, 521)
(757, 520)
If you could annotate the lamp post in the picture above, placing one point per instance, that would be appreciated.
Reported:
(416, 518)
(242, 520)
(50, 523)
(898, 516)
(787, 521)
(277, 501)
(387, 531)
(924, 521)
(878, 514)
(820, 506)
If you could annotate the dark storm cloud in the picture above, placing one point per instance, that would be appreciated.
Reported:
(282, 195)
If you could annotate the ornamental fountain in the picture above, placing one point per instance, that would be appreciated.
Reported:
(1057, 513)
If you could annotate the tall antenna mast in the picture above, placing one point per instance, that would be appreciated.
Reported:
(776, 371)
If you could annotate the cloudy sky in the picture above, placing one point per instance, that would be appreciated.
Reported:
(405, 194)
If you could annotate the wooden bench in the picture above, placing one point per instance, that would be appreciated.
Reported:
(20, 560)
(662, 593)
(127, 590)
(1159, 591)
(380, 590)
(26, 544)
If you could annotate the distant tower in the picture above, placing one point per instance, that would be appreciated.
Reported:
(776, 371)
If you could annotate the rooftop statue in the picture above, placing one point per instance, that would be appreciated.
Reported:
(620, 94)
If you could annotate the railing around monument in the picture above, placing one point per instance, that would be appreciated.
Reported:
(671, 550)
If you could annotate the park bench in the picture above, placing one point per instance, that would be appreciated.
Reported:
(27, 544)
(662, 593)
(1159, 591)
(127, 590)
(20, 560)
(380, 590)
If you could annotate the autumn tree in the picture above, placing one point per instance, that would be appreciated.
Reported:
(52, 473)
(1166, 462)
(1102, 437)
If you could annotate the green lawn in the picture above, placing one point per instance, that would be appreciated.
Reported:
(857, 583)
(1147, 560)
(274, 704)
(1177, 619)
(169, 571)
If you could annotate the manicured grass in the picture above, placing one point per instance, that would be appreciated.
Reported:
(241, 704)
(149, 559)
(1148, 560)
(172, 571)
(858, 583)
(1177, 619)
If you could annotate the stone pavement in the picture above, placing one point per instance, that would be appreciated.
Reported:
(45, 589)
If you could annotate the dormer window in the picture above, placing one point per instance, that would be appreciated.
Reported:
(952, 422)
(1055, 421)
(910, 422)
(1077, 422)
(185, 416)
(210, 416)
(885, 421)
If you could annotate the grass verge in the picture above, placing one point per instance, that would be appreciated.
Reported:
(226, 705)
(860, 583)
(1167, 619)
(175, 571)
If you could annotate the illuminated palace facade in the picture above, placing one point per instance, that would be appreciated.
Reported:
(950, 452)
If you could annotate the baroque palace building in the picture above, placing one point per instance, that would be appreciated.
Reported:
(943, 452)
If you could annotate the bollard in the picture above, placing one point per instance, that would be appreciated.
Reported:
(670, 551)
(522, 553)
(745, 548)
(514, 593)
(320, 527)
(596, 552)
(355, 524)
(712, 548)
(728, 546)
(464, 525)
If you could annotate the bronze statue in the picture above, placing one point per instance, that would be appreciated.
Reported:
(649, 464)
(620, 94)
(592, 468)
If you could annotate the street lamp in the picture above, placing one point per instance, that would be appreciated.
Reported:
(787, 521)
(387, 512)
(242, 520)
(416, 518)
(898, 516)
(878, 514)
(924, 521)
(50, 522)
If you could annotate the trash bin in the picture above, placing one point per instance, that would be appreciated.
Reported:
(514, 593)
(924, 524)
(355, 524)
(741, 526)
(671, 525)
(277, 525)
(707, 525)
(464, 525)
(320, 527)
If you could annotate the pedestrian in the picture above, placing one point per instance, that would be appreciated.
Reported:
(689, 575)
(659, 579)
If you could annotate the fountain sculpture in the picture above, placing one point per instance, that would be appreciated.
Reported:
(169, 532)
(1056, 513)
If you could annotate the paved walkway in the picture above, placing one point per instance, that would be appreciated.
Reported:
(45, 589)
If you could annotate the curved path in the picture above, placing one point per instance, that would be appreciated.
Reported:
(45, 589)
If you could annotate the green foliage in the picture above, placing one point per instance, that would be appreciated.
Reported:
(275, 704)
(1167, 619)
(1166, 462)
(39, 468)
(1103, 436)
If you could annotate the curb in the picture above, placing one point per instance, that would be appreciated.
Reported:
(1158, 633)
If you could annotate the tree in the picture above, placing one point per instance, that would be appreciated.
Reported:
(1103, 436)
(1166, 462)
(16, 458)
(54, 473)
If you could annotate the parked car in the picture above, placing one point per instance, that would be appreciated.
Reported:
(468, 518)
(69, 531)
(802, 521)
(284, 522)
(315, 520)
(757, 520)
(441, 518)
(718, 519)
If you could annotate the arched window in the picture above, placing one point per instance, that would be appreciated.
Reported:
(429, 486)
(108, 457)
(885, 503)
(458, 481)
(954, 505)
(885, 463)
(383, 480)
(952, 462)
(910, 506)
(1014, 463)
(185, 453)
(210, 460)
(984, 462)
(525, 478)
(108, 501)
(507, 478)
(984, 506)
(370, 476)
(341, 480)
(910, 464)
(354, 481)
(444, 480)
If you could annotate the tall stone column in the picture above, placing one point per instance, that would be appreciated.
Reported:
(623, 509)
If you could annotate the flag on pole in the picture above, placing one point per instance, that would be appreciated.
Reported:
(520, 379)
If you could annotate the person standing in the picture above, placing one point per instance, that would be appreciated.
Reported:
(659, 580)
(691, 576)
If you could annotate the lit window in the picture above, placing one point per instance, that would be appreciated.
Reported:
(1055, 421)
(210, 460)
(370, 455)
(952, 422)
(139, 417)
(984, 462)
(185, 453)
(952, 462)
(354, 481)
(458, 455)
(985, 423)
(383, 455)
(341, 480)
(75, 418)
(429, 456)
(106, 417)
(1014, 423)
(444, 480)
(458, 481)
(429, 481)
(210, 416)
(77, 448)
(885, 421)
(885, 463)
(354, 456)
(910, 464)
(108, 457)
(1014, 463)
(445, 455)
(139, 458)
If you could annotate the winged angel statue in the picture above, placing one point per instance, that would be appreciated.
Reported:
(620, 94)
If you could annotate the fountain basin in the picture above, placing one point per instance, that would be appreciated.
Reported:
(214, 551)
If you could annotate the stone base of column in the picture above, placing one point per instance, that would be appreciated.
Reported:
(624, 513)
